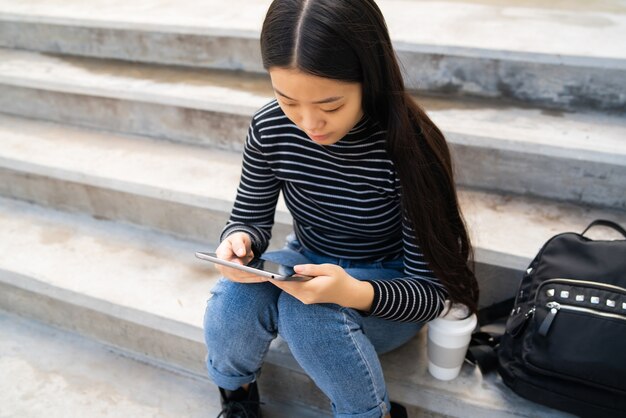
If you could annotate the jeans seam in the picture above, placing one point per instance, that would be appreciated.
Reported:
(363, 359)
(273, 332)
(264, 352)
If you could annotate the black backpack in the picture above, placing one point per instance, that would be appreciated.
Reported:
(565, 340)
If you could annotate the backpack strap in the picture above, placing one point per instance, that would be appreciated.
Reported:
(483, 345)
(609, 224)
(482, 351)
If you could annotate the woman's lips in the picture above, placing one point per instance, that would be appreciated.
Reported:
(318, 137)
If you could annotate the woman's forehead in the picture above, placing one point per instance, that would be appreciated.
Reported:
(300, 86)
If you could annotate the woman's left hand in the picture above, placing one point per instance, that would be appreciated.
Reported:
(330, 284)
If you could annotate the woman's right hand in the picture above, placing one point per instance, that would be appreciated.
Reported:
(237, 247)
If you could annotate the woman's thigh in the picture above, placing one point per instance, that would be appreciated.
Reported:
(388, 335)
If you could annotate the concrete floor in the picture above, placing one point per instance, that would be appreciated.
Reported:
(50, 373)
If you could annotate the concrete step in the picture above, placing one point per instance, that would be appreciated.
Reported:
(143, 292)
(198, 107)
(55, 373)
(483, 48)
(572, 156)
(188, 192)
(184, 190)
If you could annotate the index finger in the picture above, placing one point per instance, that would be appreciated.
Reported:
(239, 245)
(225, 251)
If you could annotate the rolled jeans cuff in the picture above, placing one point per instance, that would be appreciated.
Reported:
(228, 382)
(379, 411)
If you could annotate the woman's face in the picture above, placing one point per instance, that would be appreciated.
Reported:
(325, 109)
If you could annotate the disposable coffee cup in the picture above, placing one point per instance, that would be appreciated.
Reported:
(448, 339)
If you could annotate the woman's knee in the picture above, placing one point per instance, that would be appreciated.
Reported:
(238, 306)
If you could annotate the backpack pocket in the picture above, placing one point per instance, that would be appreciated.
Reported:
(579, 333)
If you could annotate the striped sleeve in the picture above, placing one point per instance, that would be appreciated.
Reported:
(257, 194)
(417, 297)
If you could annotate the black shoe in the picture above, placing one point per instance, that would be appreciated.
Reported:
(398, 411)
(240, 403)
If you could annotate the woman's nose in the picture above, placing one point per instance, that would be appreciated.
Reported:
(310, 121)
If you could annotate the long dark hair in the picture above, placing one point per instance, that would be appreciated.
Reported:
(348, 40)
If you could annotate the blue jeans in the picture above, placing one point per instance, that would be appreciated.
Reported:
(336, 346)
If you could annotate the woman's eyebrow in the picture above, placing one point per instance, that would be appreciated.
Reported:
(327, 100)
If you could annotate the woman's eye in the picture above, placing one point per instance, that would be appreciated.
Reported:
(332, 110)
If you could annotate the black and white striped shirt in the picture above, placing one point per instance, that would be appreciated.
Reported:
(345, 202)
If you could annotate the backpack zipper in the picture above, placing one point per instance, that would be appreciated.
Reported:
(555, 307)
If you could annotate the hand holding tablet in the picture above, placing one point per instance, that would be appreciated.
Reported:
(259, 267)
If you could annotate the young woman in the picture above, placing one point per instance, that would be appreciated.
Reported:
(368, 180)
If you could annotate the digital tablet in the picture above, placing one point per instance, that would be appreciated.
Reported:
(259, 267)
